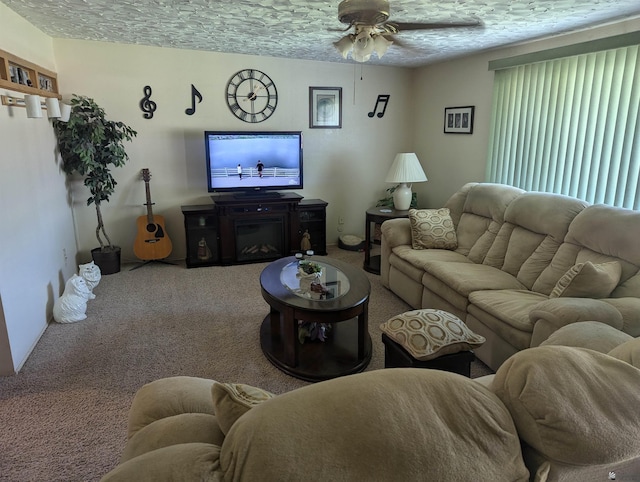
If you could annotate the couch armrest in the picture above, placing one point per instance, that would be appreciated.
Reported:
(394, 232)
(630, 310)
(552, 314)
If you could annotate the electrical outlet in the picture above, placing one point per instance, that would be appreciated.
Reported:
(64, 255)
(340, 220)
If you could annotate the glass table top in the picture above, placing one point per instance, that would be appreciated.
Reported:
(332, 283)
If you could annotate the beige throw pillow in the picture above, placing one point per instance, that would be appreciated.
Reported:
(588, 280)
(428, 334)
(432, 228)
(232, 400)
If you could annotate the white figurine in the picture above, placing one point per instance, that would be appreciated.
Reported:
(91, 274)
(72, 305)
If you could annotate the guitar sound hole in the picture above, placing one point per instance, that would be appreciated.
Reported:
(151, 228)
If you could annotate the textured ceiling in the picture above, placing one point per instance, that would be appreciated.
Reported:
(299, 28)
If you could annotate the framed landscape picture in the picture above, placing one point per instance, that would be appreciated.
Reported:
(458, 120)
(325, 107)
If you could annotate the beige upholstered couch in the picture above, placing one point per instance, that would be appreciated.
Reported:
(512, 248)
(550, 413)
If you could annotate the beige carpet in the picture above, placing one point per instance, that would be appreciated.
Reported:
(64, 416)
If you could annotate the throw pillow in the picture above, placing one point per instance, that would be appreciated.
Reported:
(232, 400)
(432, 228)
(428, 334)
(588, 280)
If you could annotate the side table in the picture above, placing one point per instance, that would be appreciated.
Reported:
(377, 215)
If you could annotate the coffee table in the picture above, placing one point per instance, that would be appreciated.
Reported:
(346, 350)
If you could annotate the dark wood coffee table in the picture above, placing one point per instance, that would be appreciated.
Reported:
(347, 349)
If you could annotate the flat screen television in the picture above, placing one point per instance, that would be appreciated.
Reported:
(253, 162)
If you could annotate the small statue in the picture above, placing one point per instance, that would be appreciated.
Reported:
(204, 253)
(305, 244)
(72, 305)
(91, 274)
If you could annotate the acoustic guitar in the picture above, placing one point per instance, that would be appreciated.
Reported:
(152, 242)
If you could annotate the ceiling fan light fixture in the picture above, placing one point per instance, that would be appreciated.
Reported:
(363, 47)
(344, 45)
(381, 45)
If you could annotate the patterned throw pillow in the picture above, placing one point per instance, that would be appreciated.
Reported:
(432, 228)
(588, 280)
(428, 334)
(232, 400)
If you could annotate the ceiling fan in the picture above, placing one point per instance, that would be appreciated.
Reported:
(372, 30)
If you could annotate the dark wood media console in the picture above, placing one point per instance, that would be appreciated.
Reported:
(247, 229)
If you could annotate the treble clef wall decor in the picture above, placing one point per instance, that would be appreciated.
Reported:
(146, 104)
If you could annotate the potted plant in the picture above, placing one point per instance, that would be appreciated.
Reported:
(90, 145)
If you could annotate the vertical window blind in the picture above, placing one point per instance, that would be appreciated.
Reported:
(570, 126)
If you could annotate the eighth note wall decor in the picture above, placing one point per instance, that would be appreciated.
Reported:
(382, 99)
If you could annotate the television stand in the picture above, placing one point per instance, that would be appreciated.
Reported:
(257, 194)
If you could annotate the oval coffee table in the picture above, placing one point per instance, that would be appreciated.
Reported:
(347, 348)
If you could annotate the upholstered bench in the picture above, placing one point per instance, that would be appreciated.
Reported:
(429, 338)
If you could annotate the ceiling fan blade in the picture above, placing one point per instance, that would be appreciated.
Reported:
(401, 26)
(396, 41)
(333, 29)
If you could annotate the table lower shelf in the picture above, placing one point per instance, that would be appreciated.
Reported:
(374, 265)
(320, 360)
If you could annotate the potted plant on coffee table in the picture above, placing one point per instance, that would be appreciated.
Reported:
(90, 145)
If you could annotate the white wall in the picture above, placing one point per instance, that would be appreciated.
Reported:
(345, 167)
(450, 160)
(36, 224)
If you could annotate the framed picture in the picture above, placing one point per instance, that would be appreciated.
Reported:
(458, 120)
(325, 107)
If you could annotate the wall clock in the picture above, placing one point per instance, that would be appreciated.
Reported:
(252, 95)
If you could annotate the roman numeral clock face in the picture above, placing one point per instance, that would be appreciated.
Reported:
(252, 96)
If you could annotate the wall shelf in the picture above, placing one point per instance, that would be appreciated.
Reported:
(23, 76)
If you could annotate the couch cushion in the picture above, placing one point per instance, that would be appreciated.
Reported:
(573, 405)
(607, 233)
(454, 282)
(232, 400)
(391, 424)
(480, 217)
(629, 352)
(588, 280)
(427, 334)
(535, 226)
(177, 429)
(167, 397)
(432, 228)
(506, 313)
(593, 335)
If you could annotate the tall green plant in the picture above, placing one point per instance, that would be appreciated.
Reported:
(90, 145)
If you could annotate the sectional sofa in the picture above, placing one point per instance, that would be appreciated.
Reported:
(522, 265)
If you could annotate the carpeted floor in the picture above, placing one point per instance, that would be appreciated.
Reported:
(64, 416)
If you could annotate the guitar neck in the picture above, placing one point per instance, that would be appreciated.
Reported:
(148, 204)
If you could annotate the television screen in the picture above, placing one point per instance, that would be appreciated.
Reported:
(253, 161)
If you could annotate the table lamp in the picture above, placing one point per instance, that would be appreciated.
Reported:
(405, 169)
